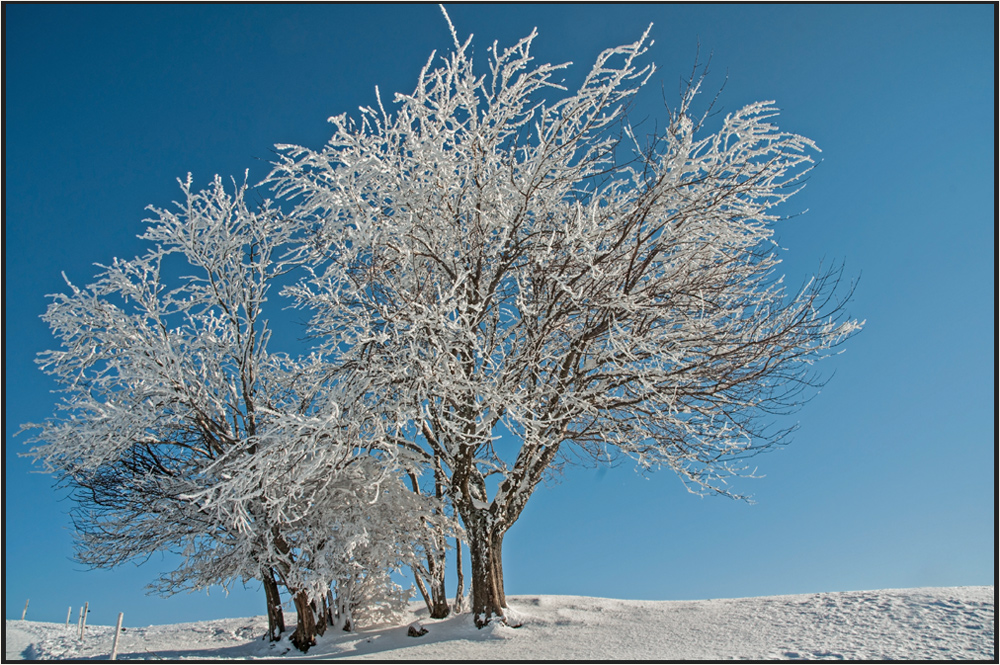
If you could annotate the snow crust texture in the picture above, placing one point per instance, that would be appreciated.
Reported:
(955, 623)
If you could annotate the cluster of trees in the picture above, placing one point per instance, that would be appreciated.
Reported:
(481, 260)
(181, 430)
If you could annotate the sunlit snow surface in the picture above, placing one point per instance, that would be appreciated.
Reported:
(911, 624)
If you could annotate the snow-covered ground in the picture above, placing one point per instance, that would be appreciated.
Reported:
(910, 624)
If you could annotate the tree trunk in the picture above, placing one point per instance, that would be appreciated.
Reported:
(275, 615)
(331, 608)
(459, 605)
(485, 549)
(422, 587)
(343, 615)
(305, 633)
(319, 614)
(497, 549)
(439, 597)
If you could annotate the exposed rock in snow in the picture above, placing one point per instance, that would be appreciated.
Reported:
(415, 630)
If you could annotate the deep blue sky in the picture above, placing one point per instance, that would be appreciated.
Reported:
(888, 483)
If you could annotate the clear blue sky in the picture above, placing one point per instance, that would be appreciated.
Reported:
(888, 483)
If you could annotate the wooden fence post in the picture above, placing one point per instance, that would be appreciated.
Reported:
(68, 613)
(118, 629)
(83, 619)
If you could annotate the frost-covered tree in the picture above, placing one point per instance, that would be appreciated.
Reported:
(521, 277)
(429, 573)
(179, 430)
(363, 591)
(323, 497)
(164, 368)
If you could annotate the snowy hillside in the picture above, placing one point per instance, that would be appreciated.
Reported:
(910, 624)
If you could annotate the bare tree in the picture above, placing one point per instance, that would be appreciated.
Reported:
(494, 262)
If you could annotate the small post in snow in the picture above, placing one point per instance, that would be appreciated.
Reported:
(118, 629)
(68, 613)
(25, 610)
(83, 618)
(79, 623)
